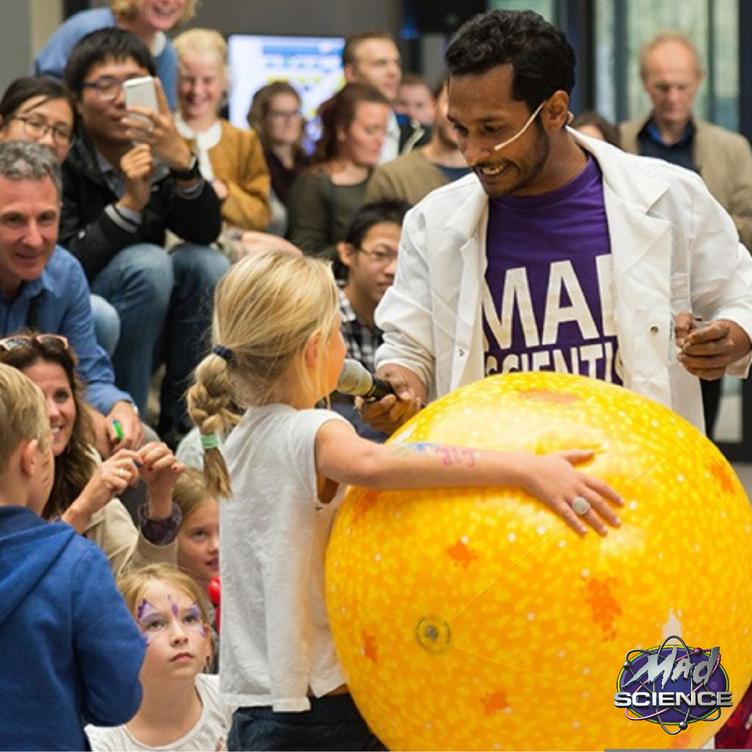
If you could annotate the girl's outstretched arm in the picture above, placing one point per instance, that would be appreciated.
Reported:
(344, 457)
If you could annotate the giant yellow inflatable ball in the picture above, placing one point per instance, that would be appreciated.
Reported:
(477, 619)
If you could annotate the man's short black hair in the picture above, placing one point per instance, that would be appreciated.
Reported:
(542, 59)
(372, 214)
(112, 43)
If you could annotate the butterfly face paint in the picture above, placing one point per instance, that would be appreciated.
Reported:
(176, 617)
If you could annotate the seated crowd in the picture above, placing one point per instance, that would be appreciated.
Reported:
(116, 224)
(155, 267)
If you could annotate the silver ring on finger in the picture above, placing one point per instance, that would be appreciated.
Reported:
(122, 473)
(581, 506)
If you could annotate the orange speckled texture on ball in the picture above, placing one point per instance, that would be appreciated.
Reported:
(476, 619)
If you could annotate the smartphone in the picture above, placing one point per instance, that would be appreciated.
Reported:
(141, 92)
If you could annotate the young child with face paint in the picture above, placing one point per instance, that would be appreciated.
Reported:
(181, 707)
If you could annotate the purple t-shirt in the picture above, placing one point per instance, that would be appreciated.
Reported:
(547, 302)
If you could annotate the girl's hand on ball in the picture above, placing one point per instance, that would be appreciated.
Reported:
(553, 479)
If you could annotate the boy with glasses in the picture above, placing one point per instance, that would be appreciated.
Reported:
(369, 255)
(128, 180)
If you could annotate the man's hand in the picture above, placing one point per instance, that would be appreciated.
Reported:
(137, 165)
(101, 436)
(157, 129)
(390, 412)
(124, 429)
(707, 348)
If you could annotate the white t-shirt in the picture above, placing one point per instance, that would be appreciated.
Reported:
(276, 643)
(210, 733)
(390, 148)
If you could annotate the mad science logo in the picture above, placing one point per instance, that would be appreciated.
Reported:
(673, 685)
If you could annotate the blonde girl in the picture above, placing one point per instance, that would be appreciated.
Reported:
(278, 350)
(198, 535)
(181, 708)
(230, 158)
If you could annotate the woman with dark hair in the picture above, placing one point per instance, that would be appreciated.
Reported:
(41, 110)
(84, 489)
(324, 198)
(276, 117)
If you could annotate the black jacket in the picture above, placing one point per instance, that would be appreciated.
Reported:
(95, 235)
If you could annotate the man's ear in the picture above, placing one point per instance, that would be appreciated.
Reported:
(345, 252)
(311, 350)
(29, 457)
(556, 110)
(350, 75)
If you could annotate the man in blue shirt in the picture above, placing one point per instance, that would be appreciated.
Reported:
(43, 287)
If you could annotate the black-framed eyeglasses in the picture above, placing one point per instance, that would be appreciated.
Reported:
(107, 88)
(378, 256)
(15, 341)
(37, 127)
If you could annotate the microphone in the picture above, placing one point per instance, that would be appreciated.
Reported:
(357, 381)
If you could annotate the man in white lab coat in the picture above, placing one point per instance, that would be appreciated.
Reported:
(559, 252)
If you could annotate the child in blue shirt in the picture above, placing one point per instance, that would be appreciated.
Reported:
(71, 651)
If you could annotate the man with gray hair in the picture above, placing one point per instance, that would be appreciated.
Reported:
(43, 287)
(672, 72)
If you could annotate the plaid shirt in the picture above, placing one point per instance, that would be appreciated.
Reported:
(361, 340)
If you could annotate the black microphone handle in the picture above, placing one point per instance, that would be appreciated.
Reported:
(379, 389)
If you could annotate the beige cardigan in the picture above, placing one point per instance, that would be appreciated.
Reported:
(724, 160)
(113, 530)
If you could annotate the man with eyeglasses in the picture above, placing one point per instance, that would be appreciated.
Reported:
(560, 252)
(128, 180)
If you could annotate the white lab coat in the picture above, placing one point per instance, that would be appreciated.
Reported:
(673, 248)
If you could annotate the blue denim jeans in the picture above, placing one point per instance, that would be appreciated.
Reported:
(186, 334)
(161, 298)
(332, 723)
(106, 324)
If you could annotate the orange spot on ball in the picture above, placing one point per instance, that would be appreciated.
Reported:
(364, 505)
(369, 647)
(604, 608)
(493, 702)
(462, 554)
(549, 395)
(718, 471)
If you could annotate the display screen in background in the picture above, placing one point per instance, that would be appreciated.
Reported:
(313, 65)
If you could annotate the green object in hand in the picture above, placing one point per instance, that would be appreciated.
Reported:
(118, 430)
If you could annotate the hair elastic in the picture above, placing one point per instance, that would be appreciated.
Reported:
(209, 441)
(223, 352)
